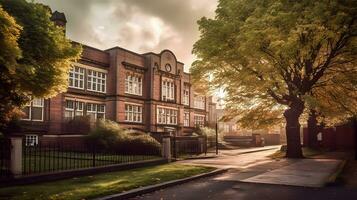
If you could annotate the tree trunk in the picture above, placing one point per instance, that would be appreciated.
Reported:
(312, 129)
(292, 128)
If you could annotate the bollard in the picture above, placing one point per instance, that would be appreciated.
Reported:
(16, 156)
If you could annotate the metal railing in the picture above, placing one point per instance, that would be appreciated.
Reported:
(55, 157)
(5, 156)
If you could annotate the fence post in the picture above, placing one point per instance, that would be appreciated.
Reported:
(201, 141)
(166, 148)
(93, 155)
(16, 156)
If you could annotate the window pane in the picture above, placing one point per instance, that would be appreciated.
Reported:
(26, 111)
(36, 113)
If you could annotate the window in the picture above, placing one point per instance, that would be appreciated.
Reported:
(199, 102)
(199, 120)
(234, 128)
(76, 77)
(166, 116)
(96, 81)
(168, 90)
(133, 113)
(186, 94)
(34, 110)
(226, 128)
(186, 119)
(31, 140)
(133, 84)
(100, 111)
(92, 111)
(95, 111)
(73, 108)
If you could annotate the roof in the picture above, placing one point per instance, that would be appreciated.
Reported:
(58, 16)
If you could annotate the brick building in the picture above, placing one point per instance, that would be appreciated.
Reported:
(147, 92)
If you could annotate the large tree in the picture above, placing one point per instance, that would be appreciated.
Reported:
(269, 54)
(35, 56)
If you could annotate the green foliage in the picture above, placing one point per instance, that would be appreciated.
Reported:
(210, 133)
(9, 53)
(269, 55)
(35, 56)
(111, 136)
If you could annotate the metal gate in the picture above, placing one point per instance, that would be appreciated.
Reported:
(5, 156)
(185, 146)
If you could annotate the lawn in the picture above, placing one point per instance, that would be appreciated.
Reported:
(88, 187)
(307, 152)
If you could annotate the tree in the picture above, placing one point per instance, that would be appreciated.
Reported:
(37, 57)
(9, 53)
(332, 102)
(270, 54)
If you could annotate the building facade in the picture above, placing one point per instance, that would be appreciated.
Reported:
(147, 92)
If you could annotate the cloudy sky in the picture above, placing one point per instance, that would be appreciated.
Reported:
(137, 25)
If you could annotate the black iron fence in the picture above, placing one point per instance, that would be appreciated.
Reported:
(54, 157)
(182, 146)
(5, 156)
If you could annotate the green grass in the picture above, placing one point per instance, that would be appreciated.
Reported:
(88, 187)
(307, 152)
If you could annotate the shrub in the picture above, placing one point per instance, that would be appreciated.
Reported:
(110, 136)
(210, 133)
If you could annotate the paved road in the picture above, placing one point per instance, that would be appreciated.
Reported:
(211, 188)
(227, 186)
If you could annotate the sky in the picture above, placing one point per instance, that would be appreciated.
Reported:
(138, 25)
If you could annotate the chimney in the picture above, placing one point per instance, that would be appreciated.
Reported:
(59, 19)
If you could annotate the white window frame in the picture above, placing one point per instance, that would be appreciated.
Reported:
(199, 120)
(134, 84)
(166, 116)
(95, 109)
(32, 105)
(31, 137)
(133, 113)
(76, 74)
(199, 102)
(167, 90)
(186, 119)
(186, 94)
(96, 79)
(78, 107)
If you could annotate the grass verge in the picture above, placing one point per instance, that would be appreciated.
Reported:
(88, 187)
(307, 152)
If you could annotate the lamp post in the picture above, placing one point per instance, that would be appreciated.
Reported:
(216, 135)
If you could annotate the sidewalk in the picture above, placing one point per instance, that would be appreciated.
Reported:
(303, 172)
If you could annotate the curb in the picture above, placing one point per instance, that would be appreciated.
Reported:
(253, 151)
(151, 188)
(331, 180)
(195, 158)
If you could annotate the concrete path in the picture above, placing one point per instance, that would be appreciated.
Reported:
(240, 158)
(306, 172)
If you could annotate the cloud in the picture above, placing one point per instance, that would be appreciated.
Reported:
(138, 25)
